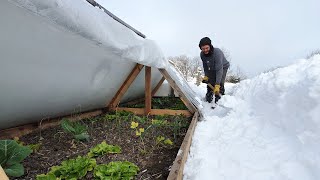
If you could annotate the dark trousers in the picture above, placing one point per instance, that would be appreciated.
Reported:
(212, 81)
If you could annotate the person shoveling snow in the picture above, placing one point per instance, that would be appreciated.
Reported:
(215, 67)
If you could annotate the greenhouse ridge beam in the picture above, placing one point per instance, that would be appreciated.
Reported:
(95, 4)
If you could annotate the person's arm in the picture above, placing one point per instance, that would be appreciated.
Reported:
(219, 66)
(205, 66)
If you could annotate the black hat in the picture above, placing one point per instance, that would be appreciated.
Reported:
(205, 41)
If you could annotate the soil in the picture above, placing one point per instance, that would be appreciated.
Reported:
(153, 160)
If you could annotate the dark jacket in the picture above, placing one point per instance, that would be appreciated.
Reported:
(213, 64)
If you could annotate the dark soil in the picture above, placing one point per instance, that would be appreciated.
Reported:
(153, 160)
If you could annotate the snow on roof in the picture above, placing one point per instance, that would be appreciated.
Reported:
(94, 24)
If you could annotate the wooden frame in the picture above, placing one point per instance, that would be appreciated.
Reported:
(148, 94)
(141, 111)
(177, 168)
(3, 175)
(44, 124)
(147, 90)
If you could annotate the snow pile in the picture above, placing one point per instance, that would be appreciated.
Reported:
(93, 23)
(267, 128)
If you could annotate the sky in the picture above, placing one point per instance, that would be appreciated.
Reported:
(259, 35)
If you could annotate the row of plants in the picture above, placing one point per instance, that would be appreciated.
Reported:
(173, 103)
(78, 168)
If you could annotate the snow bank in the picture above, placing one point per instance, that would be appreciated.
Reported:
(93, 23)
(266, 128)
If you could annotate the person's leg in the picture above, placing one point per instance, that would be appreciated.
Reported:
(223, 79)
(209, 94)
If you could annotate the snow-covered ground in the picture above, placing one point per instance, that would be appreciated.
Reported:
(267, 128)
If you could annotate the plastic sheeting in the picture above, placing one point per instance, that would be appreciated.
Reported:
(94, 24)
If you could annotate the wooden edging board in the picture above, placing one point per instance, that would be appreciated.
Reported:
(3, 175)
(177, 168)
(28, 128)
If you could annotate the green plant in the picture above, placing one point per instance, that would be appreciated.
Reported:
(35, 147)
(178, 123)
(110, 117)
(102, 149)
(157, 122)
(118, 170)
(162, 140)
(11, 156)
(47, 177)
(78, 130)
(168, 142)
(141, 120)
(71, 169)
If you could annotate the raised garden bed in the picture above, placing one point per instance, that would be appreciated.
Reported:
(149, 142)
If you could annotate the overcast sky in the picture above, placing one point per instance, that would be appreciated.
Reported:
(258, 34)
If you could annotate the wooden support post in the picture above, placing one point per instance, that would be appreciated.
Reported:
(125, 86)
(155, 90)
(176, 172)
(3, 175)
(147, 90)
(173, 84)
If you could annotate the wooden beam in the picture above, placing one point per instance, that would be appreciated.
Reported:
(177, 168)
(3, 175)
(147, 90)
(141, 111)
(125, 86)
(173, 84)
(29, 128)
(155, 90)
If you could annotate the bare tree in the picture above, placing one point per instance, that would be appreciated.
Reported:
(315, 52)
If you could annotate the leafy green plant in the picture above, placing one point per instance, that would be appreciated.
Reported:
(35, 147)
(78, 130)
(168, 142)
(102, 149)
(158, 123)
(47, 177)
(178, 123)
(141, 120)
(11, 156)
(118, 170)
(71, 169)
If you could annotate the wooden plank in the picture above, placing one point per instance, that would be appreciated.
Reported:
(155, 90)
(125, 86)
(147, 90)
(177, 168)
(172, 83)
(47, 123)
(3, 175)
(140, 111)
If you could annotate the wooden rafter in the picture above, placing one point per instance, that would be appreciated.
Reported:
(172, 83)
(155, 90)
(125, 86)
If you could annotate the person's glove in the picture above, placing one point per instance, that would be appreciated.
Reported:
(205, 79)
(216, 90)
